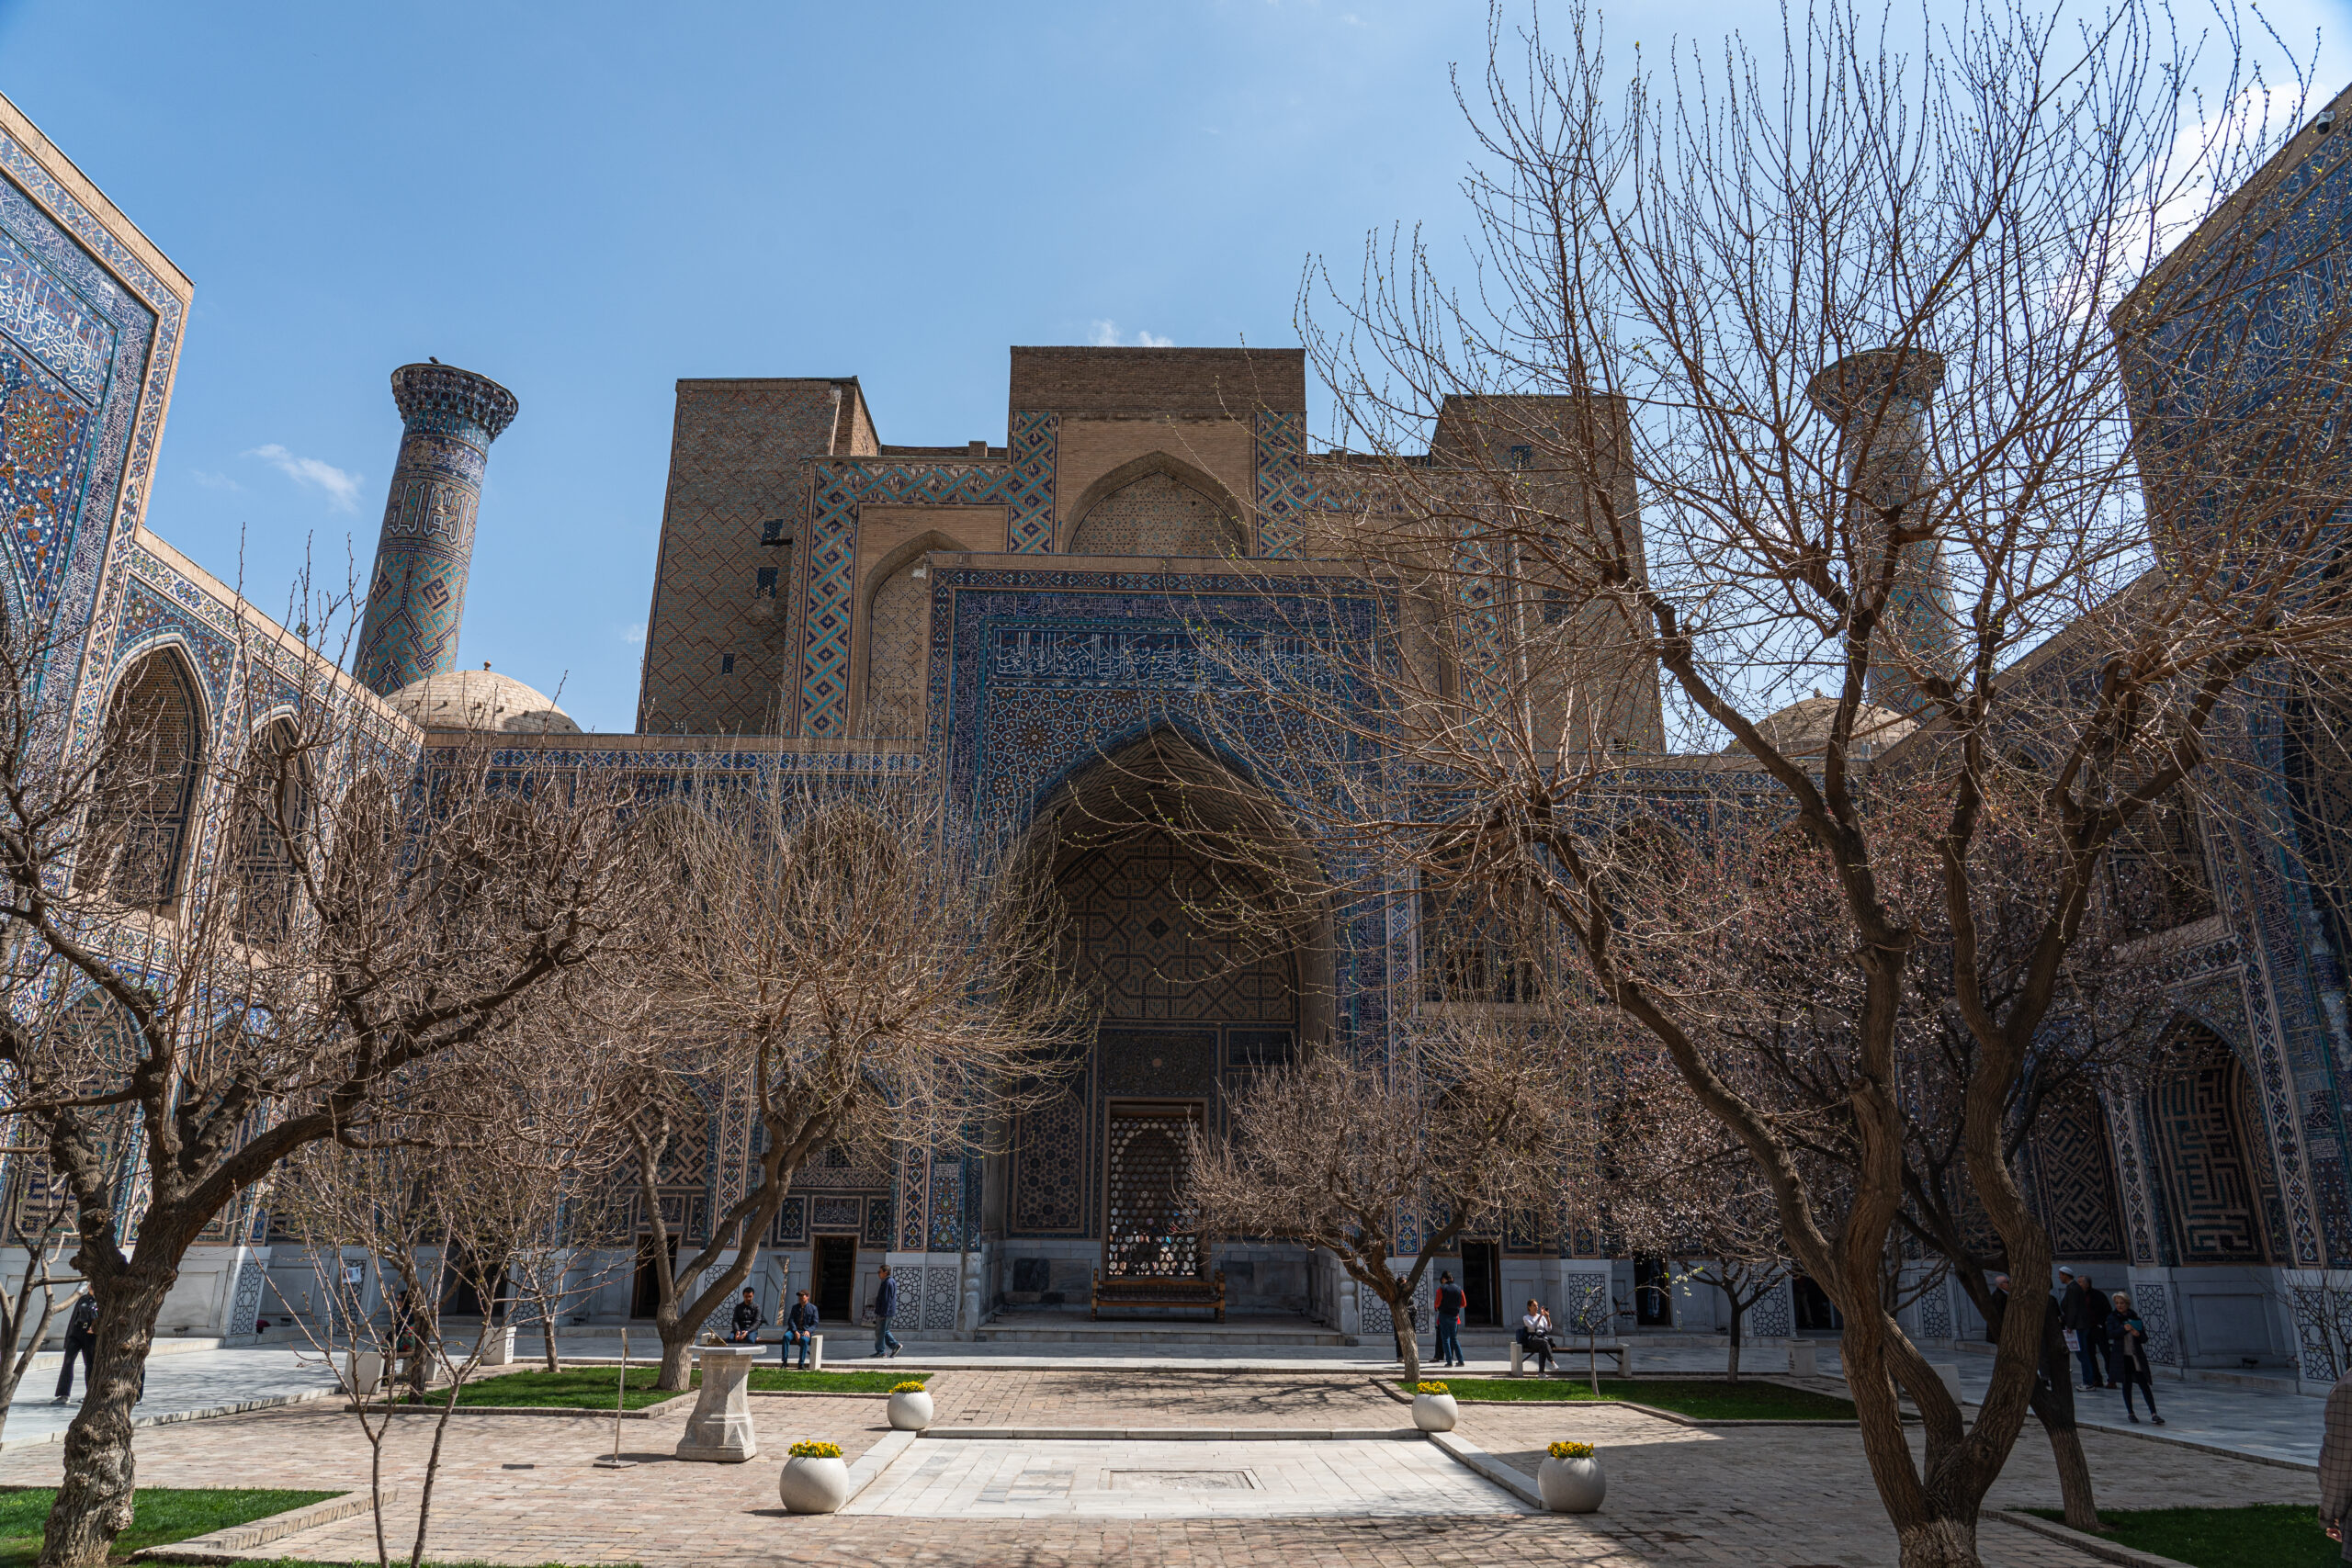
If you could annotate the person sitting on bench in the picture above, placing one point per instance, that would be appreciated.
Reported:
(1535, 1335)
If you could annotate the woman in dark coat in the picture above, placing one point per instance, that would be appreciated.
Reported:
(2127, 1356)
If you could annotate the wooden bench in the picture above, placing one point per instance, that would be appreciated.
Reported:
(1617, 1351)
(1161, 1294)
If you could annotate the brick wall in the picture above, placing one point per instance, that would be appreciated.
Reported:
(718, 643)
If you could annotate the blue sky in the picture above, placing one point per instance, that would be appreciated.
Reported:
(589, 201)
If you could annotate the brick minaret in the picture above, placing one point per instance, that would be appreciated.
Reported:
(416, 598)
(1879, 400)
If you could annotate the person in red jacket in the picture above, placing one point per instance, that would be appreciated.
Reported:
(1450, 1303)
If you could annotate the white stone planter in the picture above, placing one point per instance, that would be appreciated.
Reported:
(1571, 1486)
(1435, 1412)
(909, 1412)
(813, 1486)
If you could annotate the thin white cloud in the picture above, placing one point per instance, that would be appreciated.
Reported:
(213, 481)
(633, 634)
(1105, 334)
(342, 489)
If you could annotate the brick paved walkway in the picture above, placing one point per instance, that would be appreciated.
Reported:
(1761, 1497)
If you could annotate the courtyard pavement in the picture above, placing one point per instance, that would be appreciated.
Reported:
(522, 1489)
(2279, 1425)
(181, 1385)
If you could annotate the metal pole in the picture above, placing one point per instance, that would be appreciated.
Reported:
(621, 1402)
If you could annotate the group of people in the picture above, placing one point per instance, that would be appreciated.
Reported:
(1534, 1333)
(799, 1322)
(2108, 1338)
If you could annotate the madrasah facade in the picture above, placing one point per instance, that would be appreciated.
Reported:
(1008, 619)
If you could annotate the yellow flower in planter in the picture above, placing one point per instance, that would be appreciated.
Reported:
(910, 1386)
(1428, 1388)
(1570, 1450)
(805, 1450)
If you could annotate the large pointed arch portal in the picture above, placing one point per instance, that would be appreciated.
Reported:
(1172, 873)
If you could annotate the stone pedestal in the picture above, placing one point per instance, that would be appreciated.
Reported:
(720, 1427)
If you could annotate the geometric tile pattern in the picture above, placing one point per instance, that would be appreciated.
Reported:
(1279, 442)
(1035, 455)
(839, 486)
(2210, 1192)
(90, 339)
(1144, 955)
(2072, 1183)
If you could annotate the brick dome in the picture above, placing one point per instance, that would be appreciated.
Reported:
(479, 700)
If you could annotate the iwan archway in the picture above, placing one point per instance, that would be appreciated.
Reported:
(1179, 889)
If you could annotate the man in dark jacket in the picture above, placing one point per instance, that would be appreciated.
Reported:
(2075, 1312)
(746, 1320)
(81, 1339)
(799, 1328)
(886, 1307)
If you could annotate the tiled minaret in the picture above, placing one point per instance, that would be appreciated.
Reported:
(1879, 400)
(416, 598)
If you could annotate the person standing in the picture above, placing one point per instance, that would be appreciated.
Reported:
(799, 1328)
(1450, 1303)
(2127, 1356)
(886, 1307)
(2095, 1355)
(2336, 1462)
(2072, 1311)
(746, 1320)
(81, 1339)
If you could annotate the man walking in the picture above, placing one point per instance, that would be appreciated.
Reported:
(799, 1328)
(1450, 1303)
(81, 1339)
(886, 1307)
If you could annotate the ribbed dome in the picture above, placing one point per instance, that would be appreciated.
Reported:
(480, 700)
(1801, 728)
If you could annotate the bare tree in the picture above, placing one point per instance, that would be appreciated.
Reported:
(460, 1171)
(846, 970)
(38, 1227)
(1473, 1121)
(371, 917)
(1675, 1187)
(1848, 368)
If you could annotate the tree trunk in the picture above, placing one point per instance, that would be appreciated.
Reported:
(1938, 1543)
(1408, 1340)
(677, 1353)
(1738, 1314)
(547, 1330)
(2053, 1401)
(94, 1501)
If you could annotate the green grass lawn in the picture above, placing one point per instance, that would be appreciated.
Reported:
(582, 1388)
(591, 1388)
(774, 1380)
(2262, 1535)
(1703, 1399)
(162, 1513)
